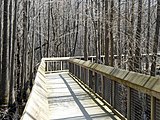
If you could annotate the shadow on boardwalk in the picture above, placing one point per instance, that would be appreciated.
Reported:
(68, 101)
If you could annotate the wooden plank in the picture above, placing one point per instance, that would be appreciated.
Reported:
(56, 59)
(67, 100)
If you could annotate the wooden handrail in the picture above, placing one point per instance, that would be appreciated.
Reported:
(144, 83)
(37, 105)
(131, 80)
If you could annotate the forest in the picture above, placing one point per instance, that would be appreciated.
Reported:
(126, 32)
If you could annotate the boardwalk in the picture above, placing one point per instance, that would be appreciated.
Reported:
(68, 101)
(58, 96)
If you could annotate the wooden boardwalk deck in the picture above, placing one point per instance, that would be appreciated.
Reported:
(57, 96)
(68, 101)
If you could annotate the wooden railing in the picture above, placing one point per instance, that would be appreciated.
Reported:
(56, 64)
(37, 105)
(130, 95)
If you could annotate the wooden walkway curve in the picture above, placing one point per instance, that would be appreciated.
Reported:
(73, 89)
(70, 101)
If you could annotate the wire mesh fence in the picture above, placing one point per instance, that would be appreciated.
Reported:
(126, 92)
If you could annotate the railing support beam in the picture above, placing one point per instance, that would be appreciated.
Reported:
(128, 103)
(153, 107)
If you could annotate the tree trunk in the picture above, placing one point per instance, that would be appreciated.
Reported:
(102, 28)
(130, 44)
(99, 31)
(33, 42)
(48, 28)
(86, 33)
(53, 28)
(111, 34)
(77, 28)
(4, 85)
(64, 32)
(155, 44)
(40, 32)
(137, 61)
(12, 83)
(94, 18)
(119, 35)
(24, 53)
(106, 34)
(10, 33)
(18, 65)
(126, 33)
(148, 36)
(0, 40)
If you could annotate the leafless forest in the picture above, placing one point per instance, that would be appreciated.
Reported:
(126, 32)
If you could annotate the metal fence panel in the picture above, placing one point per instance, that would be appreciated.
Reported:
(120, 98)
(157, 109)
(148, 110)
(108, 90)
(140, 106)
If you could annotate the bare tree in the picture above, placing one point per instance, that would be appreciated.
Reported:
(12, 71)
(111, 34)
(25, 47)
(48, 44)
(40, 32)
(0, 40)
(85, 32)
(119, 34)
(148, 36)
(137, 62)
(4, 82)
(130, 44)
(32, 48)
(155, 44)
(106, 34)
(10, 31)
(76, 26)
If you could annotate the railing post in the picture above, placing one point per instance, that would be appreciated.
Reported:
(90, 79)
(80, 70)
(82, 74)
(104, 88)
(84, 79)
(79, 73)
(74, 71)
(61, 65)
(56, 65)
(153, 108)
(113, 94)
(51, 66)
(128, 103)
(103, 94)
(46, 66)
(96, 82)
(71, 68)
(101, 90)
(87, 76)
